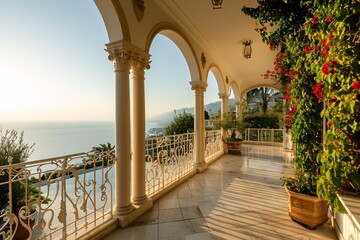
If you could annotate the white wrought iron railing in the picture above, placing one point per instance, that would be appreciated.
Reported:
(213, 145)
(168, 160)
(66, 197)
(62, 198)
(264, 135)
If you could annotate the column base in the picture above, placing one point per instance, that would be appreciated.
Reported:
(138, 211)
(139, 200)
(123, 211)
(200, 167)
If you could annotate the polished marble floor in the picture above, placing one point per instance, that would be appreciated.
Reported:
(237, 197)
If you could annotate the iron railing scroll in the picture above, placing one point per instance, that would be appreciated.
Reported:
(213, 145)
(168, 160)
(65, 197)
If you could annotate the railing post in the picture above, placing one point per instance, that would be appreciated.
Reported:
(62, 214)
(10, 159)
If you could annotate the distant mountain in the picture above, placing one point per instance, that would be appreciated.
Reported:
(165, 118)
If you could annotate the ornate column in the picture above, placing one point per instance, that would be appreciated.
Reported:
(120, 56)
(224, 103)
(238, 109)
(224, 109)
(139, 64)
(199, 125)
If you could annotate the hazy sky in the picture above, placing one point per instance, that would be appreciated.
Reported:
(53, 65)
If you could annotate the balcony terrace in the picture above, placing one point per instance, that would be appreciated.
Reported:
(236, 197)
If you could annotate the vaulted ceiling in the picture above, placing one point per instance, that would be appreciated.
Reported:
(221, 33)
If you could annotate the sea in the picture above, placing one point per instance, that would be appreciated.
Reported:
(55, 139)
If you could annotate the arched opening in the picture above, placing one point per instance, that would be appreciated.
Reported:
(267, 102)
(231, 96)
(182, 43)
(233, 87)
(211, 96)
(167, 88)
(215, 88)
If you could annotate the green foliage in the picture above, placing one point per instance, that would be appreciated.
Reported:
(207, 116)
(182, 123)
(336, 65)
(263, 121)
(104, 147)
(231, 125)
(304, 109)
(318, 62)
(261, 96)
(302, 183)
(12, 146)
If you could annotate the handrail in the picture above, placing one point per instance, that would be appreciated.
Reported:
(66, 196)
(79, 187)
(264, 135)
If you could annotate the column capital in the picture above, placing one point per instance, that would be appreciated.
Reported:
(126, 52)
(198, 86)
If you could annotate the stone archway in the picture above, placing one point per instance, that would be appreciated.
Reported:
(182, 43)
(218, 77)
(114, 20)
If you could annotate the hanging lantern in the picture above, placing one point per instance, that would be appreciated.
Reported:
(216, 4)
(247, 49)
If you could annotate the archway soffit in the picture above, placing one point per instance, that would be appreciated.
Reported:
(122, 19)
(221, 82)
(164, 26)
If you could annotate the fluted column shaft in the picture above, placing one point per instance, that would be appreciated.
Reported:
(138, 134)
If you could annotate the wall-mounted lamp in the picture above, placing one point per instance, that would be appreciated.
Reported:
(216, 4)
(247, 49)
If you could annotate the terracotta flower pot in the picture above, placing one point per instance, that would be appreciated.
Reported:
(233, 146)
(23, 233)
(309, 211)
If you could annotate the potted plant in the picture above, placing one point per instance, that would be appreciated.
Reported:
(23, 195)
(232, 128)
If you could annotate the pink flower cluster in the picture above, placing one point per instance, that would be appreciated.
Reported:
(315, 19)
(291, 111)
(325, 48)
(317, 90)
(307, 49)
(326, 67)
(356, 85)
(287, 96)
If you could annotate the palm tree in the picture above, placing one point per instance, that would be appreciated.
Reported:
(250, 97)
(266, 95)
(262, 96)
